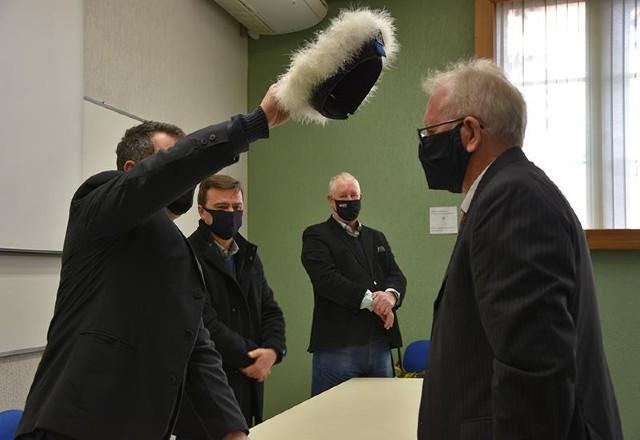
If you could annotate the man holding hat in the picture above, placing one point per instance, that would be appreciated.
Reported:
(126, 344)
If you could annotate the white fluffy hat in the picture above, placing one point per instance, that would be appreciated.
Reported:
(330, 77)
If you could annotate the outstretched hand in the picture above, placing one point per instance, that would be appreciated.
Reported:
(274, 112)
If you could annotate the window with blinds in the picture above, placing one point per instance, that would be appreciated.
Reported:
(577, 64)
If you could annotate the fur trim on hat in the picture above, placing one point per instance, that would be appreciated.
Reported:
(333, 47)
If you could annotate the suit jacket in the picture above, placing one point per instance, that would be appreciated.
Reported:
(126, 338)
(341, 269)
(241, 314)
(516, 345)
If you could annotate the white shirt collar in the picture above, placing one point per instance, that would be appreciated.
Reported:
(472, 191)
(347, 228)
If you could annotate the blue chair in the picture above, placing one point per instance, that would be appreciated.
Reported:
(9, 421)
(416, 356)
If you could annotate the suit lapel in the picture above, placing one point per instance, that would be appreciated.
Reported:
(368, 248)
(347, 240)
(509, 156)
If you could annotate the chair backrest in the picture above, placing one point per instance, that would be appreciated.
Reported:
(416, 356)
(9, 421)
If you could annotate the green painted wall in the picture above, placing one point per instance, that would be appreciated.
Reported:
(617, 277)
(289, 173)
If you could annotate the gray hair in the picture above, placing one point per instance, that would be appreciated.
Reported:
(343, 175)
(480, 88)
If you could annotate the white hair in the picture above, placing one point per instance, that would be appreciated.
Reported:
(480, 88)
(343, 175)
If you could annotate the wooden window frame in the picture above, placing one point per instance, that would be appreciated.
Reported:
(610, 239)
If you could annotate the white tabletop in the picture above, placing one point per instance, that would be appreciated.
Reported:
(363, 408)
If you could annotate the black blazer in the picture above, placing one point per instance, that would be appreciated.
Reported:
(341, 270)
(126, 338)
(241, 314)
(516, 343)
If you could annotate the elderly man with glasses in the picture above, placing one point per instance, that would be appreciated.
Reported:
(516, 344)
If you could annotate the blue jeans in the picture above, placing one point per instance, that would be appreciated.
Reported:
(334, 366)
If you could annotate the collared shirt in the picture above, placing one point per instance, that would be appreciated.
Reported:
(353, 233)
(472, 191)
(227, 253)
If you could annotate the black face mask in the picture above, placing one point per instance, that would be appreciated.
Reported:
(444, 159)
(225, 223)
(348, 210)
(183, 203)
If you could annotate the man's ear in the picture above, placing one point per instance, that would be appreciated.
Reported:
(330, 200)
(471, 133)
(128, 165)
(204, 215)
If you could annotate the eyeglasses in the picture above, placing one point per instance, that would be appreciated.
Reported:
(425, 132)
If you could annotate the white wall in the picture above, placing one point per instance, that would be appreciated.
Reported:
(41, 125)
(183, 62)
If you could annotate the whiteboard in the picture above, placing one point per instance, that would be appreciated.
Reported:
(102, 130)
(40, 120)
(27, 296)
(29, 283)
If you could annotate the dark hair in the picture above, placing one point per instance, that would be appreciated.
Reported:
(136, 142)
(217, 181)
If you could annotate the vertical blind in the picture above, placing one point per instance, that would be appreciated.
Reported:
(577, 64)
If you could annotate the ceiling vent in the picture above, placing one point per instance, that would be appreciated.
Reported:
(270, 17)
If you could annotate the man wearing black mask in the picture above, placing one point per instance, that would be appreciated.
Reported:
(357, 287)
(516, 345)
(126, 343)
(240, 312)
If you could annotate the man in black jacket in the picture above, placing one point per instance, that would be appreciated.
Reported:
(126, 343)
(357, 286)
(516, 345)
(240, 312)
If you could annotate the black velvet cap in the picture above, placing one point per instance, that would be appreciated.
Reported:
(334, 74)
(341, 94)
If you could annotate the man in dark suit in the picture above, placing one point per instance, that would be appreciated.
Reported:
(516, 345)
(126, 343)
(357, 286)
(240, 312)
